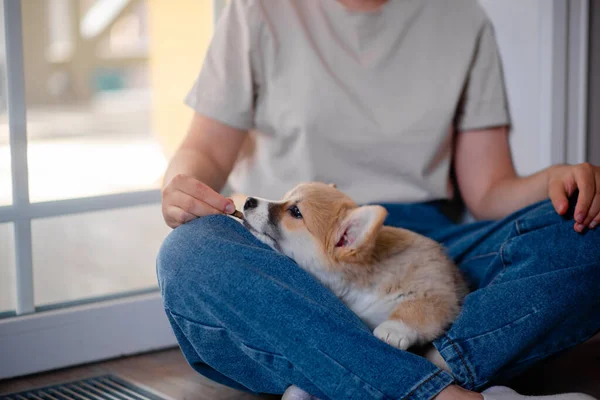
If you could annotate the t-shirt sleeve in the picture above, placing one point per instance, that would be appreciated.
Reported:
(224, 89)
(484, 102)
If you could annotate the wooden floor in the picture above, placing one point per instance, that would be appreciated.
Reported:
(166, 372)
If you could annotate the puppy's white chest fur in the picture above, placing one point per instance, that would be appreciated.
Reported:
(369, 305)
(367, 302)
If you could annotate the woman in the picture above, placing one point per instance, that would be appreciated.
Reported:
(388, 99)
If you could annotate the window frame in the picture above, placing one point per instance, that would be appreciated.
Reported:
(35, 339)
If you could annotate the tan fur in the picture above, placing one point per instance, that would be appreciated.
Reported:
(388, 263)
(425, 313)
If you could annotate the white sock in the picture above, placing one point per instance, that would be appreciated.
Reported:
(295, 393)
(505, 393)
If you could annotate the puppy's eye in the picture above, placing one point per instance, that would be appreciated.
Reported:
(295, 212)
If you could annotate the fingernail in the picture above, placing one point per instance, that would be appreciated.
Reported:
(593, 224)
(229, 208)
(579, 228)
(580, 217)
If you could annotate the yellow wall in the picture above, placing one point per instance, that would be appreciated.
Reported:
(180, 32)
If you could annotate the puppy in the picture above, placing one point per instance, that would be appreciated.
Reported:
(400, 283)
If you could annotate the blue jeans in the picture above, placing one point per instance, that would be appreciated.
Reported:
(250, 318)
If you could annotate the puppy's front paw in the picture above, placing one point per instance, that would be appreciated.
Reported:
(397, 334)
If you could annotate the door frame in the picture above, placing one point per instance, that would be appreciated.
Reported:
(593, 138)
(564, 32)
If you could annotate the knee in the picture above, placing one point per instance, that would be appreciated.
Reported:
(193, 248)
(547, 242)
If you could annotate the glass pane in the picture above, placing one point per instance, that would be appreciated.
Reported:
(7, 268)
(5, 174)
(88, 88)
(82, 256)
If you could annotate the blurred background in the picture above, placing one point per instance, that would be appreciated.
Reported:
(104, 86)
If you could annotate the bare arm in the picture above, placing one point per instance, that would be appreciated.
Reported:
(199, 169)
(491, 188)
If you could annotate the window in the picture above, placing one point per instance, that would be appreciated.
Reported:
(91, 105)
(92, 255)
(89, 109)
(88, 133)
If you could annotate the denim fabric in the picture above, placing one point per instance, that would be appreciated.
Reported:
(250, 318)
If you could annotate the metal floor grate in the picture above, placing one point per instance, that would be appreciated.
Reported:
(106, 387)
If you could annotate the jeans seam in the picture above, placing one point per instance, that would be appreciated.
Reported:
(519, 221)
(434, 375)
(258, 350)
(501, 253)
(462, 359)
(381, 395)
(517, 225)
(167, 309)
(513, 322)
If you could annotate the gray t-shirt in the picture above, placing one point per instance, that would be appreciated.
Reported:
(369, 101)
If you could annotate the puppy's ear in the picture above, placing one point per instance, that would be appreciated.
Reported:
(332, 185)
(358, 232)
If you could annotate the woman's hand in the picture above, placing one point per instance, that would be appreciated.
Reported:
(564, 180)
(185, 198)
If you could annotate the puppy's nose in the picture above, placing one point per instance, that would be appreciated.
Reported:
(251, 202)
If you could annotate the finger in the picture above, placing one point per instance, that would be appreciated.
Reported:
(176, 216)
(558, 196)
(595, 222)
(203, 193)
(192, 205)
(586, 183)
(594, 210)
(579, 228)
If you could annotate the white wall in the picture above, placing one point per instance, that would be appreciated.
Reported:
(521, 30)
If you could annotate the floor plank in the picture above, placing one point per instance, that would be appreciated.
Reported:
(168, 372)
(165, 371)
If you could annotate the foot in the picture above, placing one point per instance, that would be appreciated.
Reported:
(455, 392)
(433, 355)
(295, 393)
(397, 334)
(504, 393)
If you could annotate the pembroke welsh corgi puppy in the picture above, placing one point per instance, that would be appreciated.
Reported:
(400, 283)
